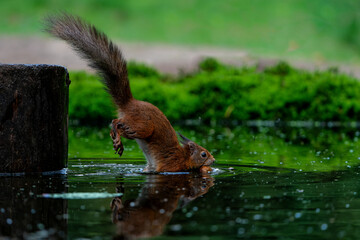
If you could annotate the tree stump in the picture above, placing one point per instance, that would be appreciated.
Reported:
(33, 118)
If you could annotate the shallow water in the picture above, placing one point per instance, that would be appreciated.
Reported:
(289, 183)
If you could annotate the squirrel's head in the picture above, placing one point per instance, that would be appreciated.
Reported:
(199, 156)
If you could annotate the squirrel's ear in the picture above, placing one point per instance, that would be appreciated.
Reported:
(192, 147)
(184, 140)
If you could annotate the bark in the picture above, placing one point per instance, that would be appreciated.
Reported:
(33, 118)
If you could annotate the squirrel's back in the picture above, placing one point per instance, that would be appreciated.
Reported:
(101, 54)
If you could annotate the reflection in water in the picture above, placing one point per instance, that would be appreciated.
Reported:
(148, 214)
(23, 214)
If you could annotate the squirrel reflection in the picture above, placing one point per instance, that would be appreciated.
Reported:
(148, 215)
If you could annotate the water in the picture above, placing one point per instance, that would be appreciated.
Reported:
(273, 183)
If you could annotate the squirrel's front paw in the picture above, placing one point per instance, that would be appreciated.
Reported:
(116, 138)
(116, 204)
(119, 148)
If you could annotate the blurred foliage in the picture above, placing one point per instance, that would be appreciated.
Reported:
(141, 70)
(89, 101)
(219, 92)
(297, 28)
(352, 33)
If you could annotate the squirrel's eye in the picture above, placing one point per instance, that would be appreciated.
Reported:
(203, 154)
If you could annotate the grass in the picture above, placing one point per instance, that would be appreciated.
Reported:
(299, 29)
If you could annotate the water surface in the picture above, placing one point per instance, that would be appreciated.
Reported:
(273, 183)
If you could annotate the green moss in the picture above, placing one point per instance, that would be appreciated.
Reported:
(89, 102)
(141, 70)
(220, 92)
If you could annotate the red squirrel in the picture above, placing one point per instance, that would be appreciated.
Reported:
(137, 120)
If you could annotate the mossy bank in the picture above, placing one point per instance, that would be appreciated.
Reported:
(219, 92)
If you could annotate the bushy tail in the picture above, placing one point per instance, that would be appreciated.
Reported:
(102, 55)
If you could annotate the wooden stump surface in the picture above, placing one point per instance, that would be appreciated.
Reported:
(33, 118)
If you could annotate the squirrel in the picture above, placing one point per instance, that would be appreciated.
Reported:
(137, 119)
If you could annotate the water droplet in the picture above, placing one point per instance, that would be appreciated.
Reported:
(214, 228)
(9, 221)
(176, 227)
(241, 221)
(227, 210)
(324, 226)
(40, 226)
(241, 231)
(257, 217)
(341, 234)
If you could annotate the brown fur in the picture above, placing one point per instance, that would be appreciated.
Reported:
(137, 120)
(148, 215)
